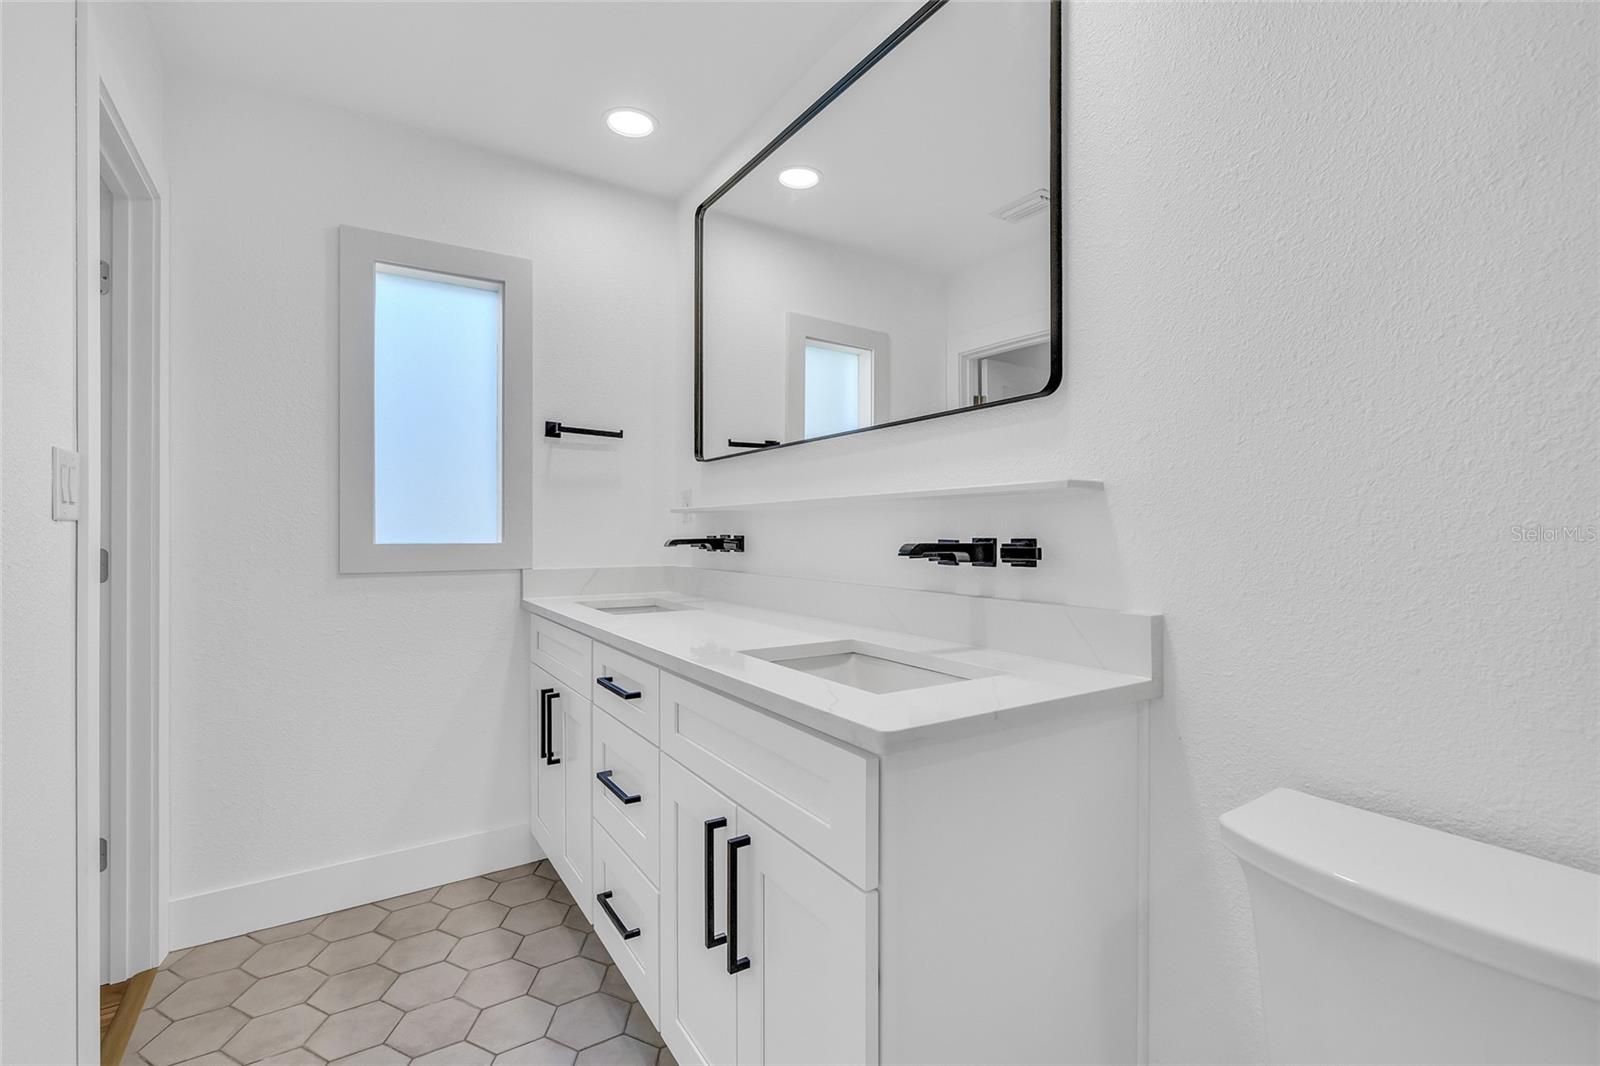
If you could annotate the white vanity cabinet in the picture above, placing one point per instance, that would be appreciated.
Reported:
(776, 895)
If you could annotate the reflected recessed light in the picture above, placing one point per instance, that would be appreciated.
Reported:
(799, 178)
(630, 122)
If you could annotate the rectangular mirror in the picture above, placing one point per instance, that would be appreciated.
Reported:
(894, 254)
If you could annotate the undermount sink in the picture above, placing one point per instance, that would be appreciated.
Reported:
(633, 606)
(868, 667)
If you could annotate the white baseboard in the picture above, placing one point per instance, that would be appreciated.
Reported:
(225, 912)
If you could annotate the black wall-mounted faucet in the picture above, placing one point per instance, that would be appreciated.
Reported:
(980, 551)
(716, 542)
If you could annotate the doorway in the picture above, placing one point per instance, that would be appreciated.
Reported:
(1016, 367)
(127, 564)
(107, 476)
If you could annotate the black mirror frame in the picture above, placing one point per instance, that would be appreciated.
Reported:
(884, 48)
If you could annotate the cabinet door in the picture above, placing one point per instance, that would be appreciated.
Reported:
(698, 996)
(810, 993)
(574, 716)
(546, 785)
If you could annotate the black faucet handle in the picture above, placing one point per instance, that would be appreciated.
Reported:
(1021, 551)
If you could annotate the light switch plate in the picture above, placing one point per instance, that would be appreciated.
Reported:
(66, 482)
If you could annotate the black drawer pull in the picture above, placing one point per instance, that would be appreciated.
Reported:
(549, 727)
(615, 689)
(604, 899)
(713, 939)
(544, 723)
(604, 777)
(735, 962)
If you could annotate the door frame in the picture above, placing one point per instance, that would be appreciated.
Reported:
(967, 360)
(138, 523)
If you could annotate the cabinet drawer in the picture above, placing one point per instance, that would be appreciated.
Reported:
(634, 768)
(629, 688)
(821, 795)
(635, 902)
(561, 652)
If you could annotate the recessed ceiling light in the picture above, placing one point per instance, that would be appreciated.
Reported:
(630, 122)
(799, 177)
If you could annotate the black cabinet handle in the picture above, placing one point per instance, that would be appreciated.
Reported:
(604, 777)
(615, 689)
(735, 963)
(604, 899)
(713, 939)
(550, 729)
(544, 723)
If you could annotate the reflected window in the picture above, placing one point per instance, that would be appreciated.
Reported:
(838, 388)
(837, 379)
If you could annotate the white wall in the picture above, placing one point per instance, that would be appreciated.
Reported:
(760, 274)
(42, 1008)
(1007, 290)
(1331, 334)
(38, 408)
(131, 67)
(318, 719)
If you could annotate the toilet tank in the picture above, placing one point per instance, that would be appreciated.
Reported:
(1381, 941)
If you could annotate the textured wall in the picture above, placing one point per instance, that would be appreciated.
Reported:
(319, 718)
(39, 409)
(1331, 335)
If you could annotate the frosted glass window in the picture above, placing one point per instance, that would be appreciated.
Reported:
(836, 388)
(436, 384)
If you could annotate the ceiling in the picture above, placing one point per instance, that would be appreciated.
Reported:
(951, 125)
(531, 79)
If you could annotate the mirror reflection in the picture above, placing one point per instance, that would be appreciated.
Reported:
(890, 260)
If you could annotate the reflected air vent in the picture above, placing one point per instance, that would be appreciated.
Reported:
(1023, 207)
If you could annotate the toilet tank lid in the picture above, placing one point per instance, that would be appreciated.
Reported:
(1534, 918)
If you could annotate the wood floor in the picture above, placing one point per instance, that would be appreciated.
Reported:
(120, 1005)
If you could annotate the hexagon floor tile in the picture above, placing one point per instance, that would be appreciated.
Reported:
(500, 968)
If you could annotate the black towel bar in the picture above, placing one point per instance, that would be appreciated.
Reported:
(556, 429)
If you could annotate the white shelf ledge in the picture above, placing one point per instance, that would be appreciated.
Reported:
(1012, 488)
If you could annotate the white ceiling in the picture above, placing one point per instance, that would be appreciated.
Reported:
(529, 79)
(950, 125)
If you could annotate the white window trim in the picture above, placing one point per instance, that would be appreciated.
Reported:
(360, 251)
(802, 328)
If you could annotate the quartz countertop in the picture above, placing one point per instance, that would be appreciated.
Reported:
(707, 640)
